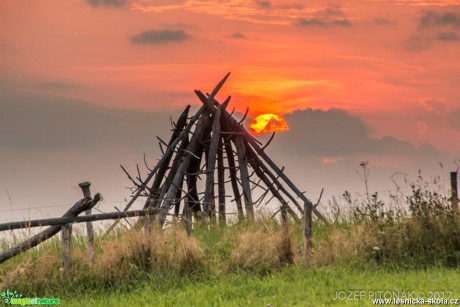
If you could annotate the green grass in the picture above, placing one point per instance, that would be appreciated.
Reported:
(367, 248)
(290, 286)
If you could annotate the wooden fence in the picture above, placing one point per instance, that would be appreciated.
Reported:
(64, 224)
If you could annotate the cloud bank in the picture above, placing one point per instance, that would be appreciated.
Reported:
(151, 37)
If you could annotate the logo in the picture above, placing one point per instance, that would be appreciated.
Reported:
(15, 298)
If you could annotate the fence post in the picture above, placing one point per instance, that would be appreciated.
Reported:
(148, 226)
(307, 228)
(85, 187)
(454, 191)
(284, 216)
(186, 213)
(66, 245)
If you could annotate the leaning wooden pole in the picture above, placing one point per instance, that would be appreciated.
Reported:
(211, 164)
(253, 156)
(243, 164)
(285, 208)
(75, 210)
(172, 171)
(221, 182)
(280, 173)
(192, 179)
(155, 188)
(234, 179)
(187, 157)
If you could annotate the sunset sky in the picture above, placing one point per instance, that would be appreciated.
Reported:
(355, 80)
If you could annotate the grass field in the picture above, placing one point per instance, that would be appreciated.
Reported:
(291, 286)
(364, 253)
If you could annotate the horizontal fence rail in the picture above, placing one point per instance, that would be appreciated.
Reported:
(76, 219)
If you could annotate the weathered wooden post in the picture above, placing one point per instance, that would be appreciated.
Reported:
(307, 228)
(221, 183)
(284, 216)
(66, 245)
(454, 191)
(85, 187)
(148, 226)
(188, 222)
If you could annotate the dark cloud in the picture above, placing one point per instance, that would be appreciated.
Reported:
(434, 19)
(418, 43)
(317, 22)
(335, 133)
(310, 22)
(434, 105)
(383, 21)
(160, 37)
(265, 4)
(112, 3)
(434, 26)
(238, 35)
(53, 123)
(454, 119)
(447, 36)
(332, 16)
(341, 22)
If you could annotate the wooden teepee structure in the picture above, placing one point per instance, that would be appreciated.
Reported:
(214, 148)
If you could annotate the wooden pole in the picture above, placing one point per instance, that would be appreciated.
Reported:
(188, 222)
(178, 198)
(454, 191)
(211, 165)
(285, 208)
(85, 187)
(257, 163)
(177, 160)
(243, 164)
(154, 190)
(59, 221)
(148, 225)
(66, 248)
(307, 229)
(192, 179)
(233, 179)
(221, 182)
(185, 161)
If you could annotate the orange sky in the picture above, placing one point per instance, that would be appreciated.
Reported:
(392, 63)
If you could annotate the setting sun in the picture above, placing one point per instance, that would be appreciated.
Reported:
(267, 123)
